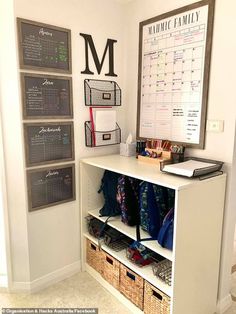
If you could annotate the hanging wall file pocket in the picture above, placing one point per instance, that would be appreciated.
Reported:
(98, 138)
(101, 93)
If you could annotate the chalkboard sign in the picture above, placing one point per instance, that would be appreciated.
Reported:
(50, 186)
(45, 96)
(44, 47)
(48, 142)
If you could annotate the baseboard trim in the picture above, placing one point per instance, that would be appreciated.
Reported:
(20, 286)
(224, 304)
(47, 280)
(3, 282)
(55, 277)
(3, 290)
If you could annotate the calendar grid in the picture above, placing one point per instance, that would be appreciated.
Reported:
(171, 86)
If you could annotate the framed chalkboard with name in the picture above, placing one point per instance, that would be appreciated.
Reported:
(46, 96)
(50, 186)
(48, 142)
(44, 47)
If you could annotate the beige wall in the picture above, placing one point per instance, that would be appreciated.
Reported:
(47, 241)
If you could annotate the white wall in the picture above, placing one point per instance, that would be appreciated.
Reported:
(5, 265)
(13, 145)
(3, 259)
(222, 98)
(48, 240)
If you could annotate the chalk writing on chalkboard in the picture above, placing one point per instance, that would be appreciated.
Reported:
(44, 47)
(50, 186)
(45, 96)
(48, 142)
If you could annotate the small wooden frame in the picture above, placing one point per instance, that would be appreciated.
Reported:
(50, 186)
(48, 143)
(44, 47)
(46, 96)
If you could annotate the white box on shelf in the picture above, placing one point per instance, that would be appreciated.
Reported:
(127, 150)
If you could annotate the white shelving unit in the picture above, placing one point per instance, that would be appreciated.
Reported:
(197, 231)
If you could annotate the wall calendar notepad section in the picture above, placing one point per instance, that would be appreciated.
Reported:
(44, 47)
(174, 62)
(48, 142)
(45, 96)
(50, 186)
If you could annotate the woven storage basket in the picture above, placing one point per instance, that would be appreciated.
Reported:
(94, 256)
(155, 301)
(131, 285)
(110, 269)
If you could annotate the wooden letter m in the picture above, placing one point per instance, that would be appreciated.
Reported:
(109, 47)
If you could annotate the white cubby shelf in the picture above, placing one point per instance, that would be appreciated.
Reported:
(199, 208)
(116, 223)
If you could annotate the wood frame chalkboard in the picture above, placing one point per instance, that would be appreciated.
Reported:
(47, 143)
(50, 186)
(46, 96)
(173, 76)
(44, 47)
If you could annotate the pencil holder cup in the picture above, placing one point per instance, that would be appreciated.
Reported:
(177, 157)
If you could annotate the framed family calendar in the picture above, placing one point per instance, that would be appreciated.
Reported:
(174, 64)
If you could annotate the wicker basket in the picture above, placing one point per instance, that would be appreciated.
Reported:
(155, 301)
(94, 256)
(131, 285)
(110, 269)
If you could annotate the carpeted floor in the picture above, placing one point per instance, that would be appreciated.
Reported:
(80, 290)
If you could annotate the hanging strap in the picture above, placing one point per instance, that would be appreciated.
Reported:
(138, 232)
(138, 237)
(101, 232)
